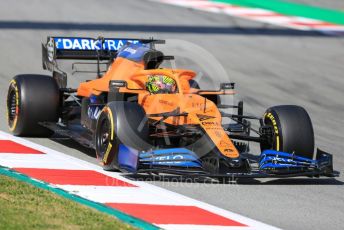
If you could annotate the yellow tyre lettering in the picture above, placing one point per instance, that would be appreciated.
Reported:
(277, 143)
(274, 124)
(110, 116)
(106, 155)
(112, 125)
(109, 147)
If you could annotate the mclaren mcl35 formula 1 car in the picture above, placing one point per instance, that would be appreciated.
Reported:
(143, 118)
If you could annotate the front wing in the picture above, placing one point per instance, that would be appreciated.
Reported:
(181, 161)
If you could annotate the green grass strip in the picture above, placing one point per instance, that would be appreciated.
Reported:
(98, 206)
(294, 9)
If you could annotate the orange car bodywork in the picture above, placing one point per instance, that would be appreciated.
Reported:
(200, 111)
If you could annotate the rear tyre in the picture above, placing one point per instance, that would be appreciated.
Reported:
(120, 123)
(32, 99)
(292, 130)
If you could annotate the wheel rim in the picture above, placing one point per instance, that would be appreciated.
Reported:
(103, 137)
(12, 107)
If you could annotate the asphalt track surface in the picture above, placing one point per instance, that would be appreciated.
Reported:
(270, 65)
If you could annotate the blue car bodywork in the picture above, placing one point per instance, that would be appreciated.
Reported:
(185, 162)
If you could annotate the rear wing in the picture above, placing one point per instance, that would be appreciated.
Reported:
(83, 48)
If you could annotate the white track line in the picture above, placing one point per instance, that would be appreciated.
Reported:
(32, 161)
(121, 195)
(197, 227)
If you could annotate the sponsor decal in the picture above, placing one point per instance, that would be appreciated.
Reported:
(218, 134)
(223, 144)
(214, 128)
(198, 105)
(166, 102)
(91, 44)
(228, 150)
(210, 123)
(278, 160)
(94, 112)
(171, 159)
(130, 50)
(202, 117)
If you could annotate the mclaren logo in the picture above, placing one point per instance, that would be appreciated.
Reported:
(202, 117)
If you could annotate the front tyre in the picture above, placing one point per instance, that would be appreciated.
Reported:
(32, 99)
(105, 140)
(120, 123)
(292, 130)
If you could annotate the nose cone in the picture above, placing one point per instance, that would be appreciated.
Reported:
(234, 165)
(236, 162)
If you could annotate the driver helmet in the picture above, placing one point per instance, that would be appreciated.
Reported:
(160, 84)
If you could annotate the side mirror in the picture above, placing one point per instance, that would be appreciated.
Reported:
(117, 84)
(224, 86)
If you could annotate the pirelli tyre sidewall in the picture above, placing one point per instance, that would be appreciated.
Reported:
(32, 99)
(120, 123)
(270, 118)
(292, 129)
(106, 140)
